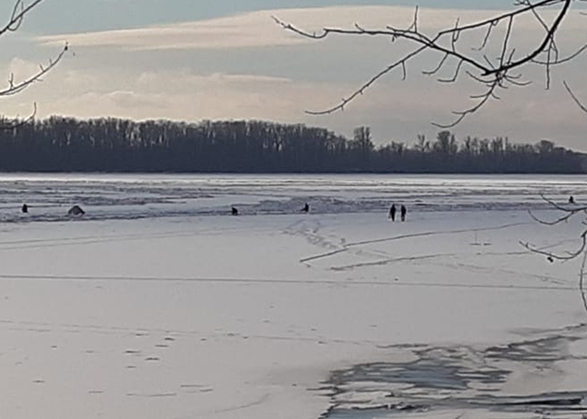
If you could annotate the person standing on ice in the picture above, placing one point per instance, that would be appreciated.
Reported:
(403, 211)
(392, 211)
(306, 208)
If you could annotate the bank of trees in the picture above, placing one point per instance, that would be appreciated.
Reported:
(109, 144)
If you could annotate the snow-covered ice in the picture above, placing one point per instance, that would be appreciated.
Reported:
(159, 304)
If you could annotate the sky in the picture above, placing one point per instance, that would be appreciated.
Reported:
(194, 60)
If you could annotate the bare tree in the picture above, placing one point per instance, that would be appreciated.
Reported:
(495, 64)
(20, 10)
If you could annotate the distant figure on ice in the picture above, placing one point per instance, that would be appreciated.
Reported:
(392, 211)
(76, 210)
(306, 208)
(24, 208)
(571, 199)
(233, 210)
(403, 211)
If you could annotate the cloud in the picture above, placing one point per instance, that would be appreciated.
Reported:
(393, 110)
(249, 30)
(132, 100)
(184, 80)
(257, 29)
(209, 81)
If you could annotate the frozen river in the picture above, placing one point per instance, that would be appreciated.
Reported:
(158, 304)
(128, 196)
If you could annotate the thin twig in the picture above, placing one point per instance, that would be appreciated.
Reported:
(18, 13)
(568, 213)
(575, 99)
(14, 88)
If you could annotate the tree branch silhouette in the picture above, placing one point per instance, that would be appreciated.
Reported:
(13, 87)
(492, 73)
(567, 212)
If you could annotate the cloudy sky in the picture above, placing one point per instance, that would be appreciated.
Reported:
(227, 59)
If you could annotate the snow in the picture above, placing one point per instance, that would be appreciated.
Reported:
(159, 304)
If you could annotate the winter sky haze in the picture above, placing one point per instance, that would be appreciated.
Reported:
(227, 59)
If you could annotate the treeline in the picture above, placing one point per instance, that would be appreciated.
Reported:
(118, 145)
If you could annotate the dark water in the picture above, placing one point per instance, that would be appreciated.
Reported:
(428, 380)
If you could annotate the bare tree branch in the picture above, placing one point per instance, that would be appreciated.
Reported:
(568, 211)
(6, 124)
(582, 281)
(19, 11)
(16, 87)
(494, 74)
(551, 256)
(575, 99)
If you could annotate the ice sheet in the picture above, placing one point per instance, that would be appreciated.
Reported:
(206, 315)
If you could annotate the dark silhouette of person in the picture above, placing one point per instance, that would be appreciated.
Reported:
(403, 211)
(306, 208)
(25, 208)
(571, 199)
(234, 211)
(392, 211)
(76, 210)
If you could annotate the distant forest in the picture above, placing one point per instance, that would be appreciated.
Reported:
(60, 144)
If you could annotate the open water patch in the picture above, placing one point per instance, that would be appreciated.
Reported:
(508, 380)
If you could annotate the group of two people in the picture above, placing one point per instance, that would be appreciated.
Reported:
(403, 211)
